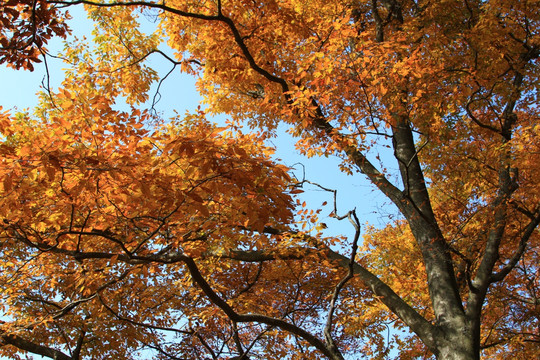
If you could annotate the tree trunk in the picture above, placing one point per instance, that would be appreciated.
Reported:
(457, 339)
(458, 347)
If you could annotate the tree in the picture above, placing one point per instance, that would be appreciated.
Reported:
(117, 229)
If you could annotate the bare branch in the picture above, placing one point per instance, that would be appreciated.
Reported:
(350, 274)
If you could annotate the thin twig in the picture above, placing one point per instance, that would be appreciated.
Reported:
(350, 274)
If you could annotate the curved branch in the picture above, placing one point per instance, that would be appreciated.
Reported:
(350, 274)
(32, 347)
(235, 317)
(529, 229)
(421, 327)
(138, 3)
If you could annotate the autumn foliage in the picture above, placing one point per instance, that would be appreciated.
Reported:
(126, 235)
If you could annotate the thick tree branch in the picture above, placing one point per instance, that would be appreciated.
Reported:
(443, 288)
(23, 344)
(420, 326)
(379, 26)
(423, 328)
(141, 4)
(78, 346)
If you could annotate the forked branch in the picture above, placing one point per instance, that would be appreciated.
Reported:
(238, 318)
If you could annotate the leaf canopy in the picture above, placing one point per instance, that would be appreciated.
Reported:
(122, 232)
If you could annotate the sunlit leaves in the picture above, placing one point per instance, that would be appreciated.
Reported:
(102, 208)
(102, 183)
